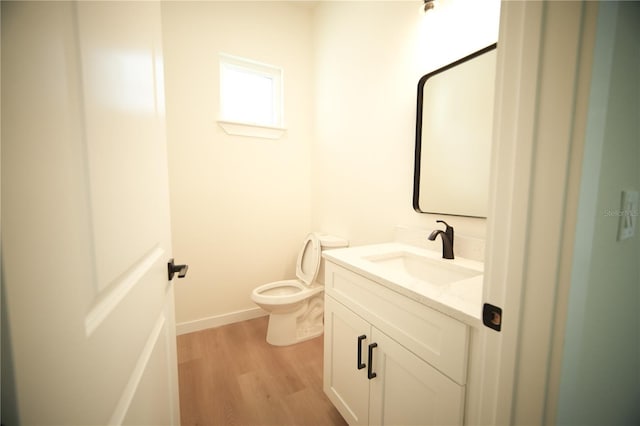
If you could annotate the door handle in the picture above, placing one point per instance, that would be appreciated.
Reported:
(173, 269)
(370, 373)
(360, 363)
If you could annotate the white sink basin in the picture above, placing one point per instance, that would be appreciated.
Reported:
(453, 286)
(433, 271)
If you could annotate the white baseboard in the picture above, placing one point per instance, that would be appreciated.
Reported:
(219, 320)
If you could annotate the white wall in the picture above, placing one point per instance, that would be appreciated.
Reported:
(369, 57)
(240, 206)
(345, 165)
(600, 381)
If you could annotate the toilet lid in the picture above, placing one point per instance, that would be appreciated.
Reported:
(309, 259)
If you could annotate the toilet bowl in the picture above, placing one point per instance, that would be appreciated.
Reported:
(296, 306)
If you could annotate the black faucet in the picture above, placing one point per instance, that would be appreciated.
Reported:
(447, 239)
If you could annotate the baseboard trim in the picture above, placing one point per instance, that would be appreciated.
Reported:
(218, 320)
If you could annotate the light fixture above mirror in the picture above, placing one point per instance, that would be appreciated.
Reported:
(428, 5)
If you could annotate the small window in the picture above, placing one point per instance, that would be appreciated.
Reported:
(250, 95)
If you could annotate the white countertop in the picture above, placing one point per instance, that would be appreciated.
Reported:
(461, 300)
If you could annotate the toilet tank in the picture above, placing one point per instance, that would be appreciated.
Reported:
(328, 242)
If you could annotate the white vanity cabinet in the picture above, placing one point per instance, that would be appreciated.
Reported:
(389, 360)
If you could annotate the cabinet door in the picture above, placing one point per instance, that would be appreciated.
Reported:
(346, 386)
(408, 391)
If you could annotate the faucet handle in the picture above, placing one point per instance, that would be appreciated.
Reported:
(448, 230)
(445, 224)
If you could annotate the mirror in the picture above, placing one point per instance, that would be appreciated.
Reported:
(453, 137)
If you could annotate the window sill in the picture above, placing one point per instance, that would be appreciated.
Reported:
(251, 130)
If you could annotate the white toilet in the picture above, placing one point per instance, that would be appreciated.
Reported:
(296, 307)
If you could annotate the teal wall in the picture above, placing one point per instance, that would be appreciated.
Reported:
(600, 379)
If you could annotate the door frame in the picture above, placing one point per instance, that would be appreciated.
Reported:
(545, 53)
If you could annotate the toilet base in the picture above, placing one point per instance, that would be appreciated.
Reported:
(295, 327)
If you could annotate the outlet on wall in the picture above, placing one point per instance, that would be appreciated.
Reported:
(628, 215)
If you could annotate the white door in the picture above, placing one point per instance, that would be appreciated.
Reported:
(85, 216)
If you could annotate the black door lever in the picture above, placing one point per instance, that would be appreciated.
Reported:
(173, 269)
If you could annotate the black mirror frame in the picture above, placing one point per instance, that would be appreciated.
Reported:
(418, 143)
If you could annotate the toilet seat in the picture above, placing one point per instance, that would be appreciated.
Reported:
(309, 258)
(283, 292)
(292, 291)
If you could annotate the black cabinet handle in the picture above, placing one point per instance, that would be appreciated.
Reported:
(360, 363)
(370, 372)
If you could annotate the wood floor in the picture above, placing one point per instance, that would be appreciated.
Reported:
(231, 376)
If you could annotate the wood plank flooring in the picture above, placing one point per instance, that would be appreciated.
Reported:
(231, 376)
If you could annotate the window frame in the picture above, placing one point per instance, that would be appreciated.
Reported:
(236, 126)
